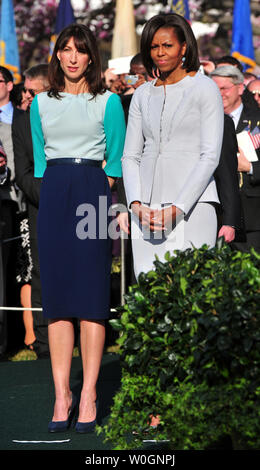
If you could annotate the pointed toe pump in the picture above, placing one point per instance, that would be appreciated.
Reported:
(62, 426)
(87, 427)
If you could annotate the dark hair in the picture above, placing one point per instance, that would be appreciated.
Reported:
(38, 71)
(229, 59)
(249, 75)
(7, 75)
(16, 94)
(137, 59)
(183, 32)
(85, 41)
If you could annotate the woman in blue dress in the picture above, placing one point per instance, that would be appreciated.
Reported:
(76, 127)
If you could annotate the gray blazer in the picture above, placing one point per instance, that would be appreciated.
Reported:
(177, 133)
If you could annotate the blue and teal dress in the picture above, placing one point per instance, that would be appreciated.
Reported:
(73, 220)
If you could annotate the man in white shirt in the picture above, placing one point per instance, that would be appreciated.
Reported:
(230, 82)
(6, 86)
(7, 113)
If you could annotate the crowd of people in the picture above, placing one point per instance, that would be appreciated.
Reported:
(19, 199)
(187, 136)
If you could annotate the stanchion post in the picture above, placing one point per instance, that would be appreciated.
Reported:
(122, 273)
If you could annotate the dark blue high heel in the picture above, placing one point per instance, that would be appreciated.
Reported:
(61, 426)
(87, 427)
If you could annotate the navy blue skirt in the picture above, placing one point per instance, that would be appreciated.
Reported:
(74, 246)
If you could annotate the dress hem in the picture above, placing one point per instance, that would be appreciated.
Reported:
(89, 316)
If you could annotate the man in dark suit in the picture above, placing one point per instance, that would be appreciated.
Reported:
(10, 205)
(230, 82)
(36, 81)
(230, 209)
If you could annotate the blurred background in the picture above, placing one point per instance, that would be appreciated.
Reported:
(211, 21)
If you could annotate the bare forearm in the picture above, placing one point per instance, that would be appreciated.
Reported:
(111, 181)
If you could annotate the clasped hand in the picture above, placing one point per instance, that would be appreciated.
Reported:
(155, 220)
(243, 163)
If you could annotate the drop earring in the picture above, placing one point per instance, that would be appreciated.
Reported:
(183, 61)
(156, 72)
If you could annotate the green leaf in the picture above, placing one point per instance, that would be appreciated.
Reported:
(116, 324)
(183, 284)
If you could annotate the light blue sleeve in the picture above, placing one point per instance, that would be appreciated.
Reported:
(115, 129)
(37, 140)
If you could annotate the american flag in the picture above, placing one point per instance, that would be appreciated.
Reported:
(181, 7)
(255, 137)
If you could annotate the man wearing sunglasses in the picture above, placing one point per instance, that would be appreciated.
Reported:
(36, 81)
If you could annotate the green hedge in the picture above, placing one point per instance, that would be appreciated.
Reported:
(189, 345)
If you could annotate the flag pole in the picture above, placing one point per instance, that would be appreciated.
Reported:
(124, 42)
(9, 54)
(65, 16)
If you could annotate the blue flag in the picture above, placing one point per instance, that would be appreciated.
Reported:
(181, 7)
(65, 17)
(9, 55)
(242, 37)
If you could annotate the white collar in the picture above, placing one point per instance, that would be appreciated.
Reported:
(236, 113)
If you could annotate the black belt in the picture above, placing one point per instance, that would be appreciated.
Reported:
(74, 161)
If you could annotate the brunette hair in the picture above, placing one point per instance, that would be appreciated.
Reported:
(85, 41)
(184, 34)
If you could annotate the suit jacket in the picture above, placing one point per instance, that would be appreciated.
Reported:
(250, 189)
(230, 211)
(8, 191)
(184, 148)
(24, 167)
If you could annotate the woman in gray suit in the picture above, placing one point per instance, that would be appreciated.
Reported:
(172, 146)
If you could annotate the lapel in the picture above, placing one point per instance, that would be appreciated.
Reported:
(17, 112)
(248, 116)
(243, 121)
(28, 134)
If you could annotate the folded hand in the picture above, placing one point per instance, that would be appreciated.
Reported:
(154, 219)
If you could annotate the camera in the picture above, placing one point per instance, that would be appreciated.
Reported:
(131, 79)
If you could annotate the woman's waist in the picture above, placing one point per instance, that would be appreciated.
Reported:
(88, 156)
(74, 161)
